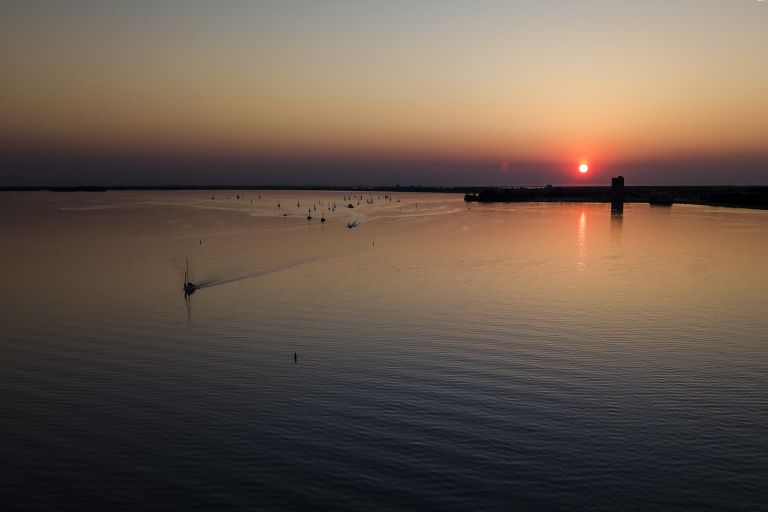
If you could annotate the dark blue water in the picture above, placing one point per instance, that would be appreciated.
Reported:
(503, 358)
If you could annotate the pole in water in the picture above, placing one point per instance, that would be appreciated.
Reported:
(295, 358)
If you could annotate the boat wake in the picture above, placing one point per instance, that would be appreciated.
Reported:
(227, 279)
(222, 280)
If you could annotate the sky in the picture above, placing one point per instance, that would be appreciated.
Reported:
(430, 92)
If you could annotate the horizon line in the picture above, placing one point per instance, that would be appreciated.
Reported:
(382, 187)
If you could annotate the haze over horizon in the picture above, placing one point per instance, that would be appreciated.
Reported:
(378, 93)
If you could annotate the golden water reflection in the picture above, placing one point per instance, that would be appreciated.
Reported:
(581, 242)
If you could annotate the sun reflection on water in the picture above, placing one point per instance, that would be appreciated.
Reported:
(581, 242)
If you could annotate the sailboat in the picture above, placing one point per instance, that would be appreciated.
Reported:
(189, 287)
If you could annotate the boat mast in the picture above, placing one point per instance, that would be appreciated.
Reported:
(186, 273)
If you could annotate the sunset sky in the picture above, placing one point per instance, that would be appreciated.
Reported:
(383, 92)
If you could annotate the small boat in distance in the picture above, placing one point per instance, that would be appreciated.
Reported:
(189, 287)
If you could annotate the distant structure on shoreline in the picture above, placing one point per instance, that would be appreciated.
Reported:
(618, 194)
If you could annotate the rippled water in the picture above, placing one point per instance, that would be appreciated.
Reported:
(492, 357)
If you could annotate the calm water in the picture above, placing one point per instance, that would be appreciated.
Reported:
(503, 357)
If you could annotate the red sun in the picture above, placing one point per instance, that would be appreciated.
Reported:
(584, 168)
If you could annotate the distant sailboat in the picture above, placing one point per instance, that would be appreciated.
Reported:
(189, 286)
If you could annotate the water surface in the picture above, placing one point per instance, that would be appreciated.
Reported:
(450, 356)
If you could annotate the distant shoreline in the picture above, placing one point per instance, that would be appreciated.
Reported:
(382, 188)
(755, 197)
(729, 196)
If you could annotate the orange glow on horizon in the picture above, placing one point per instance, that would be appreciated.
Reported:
(320, 82)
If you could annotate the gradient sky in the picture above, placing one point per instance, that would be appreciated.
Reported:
(383, 92)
